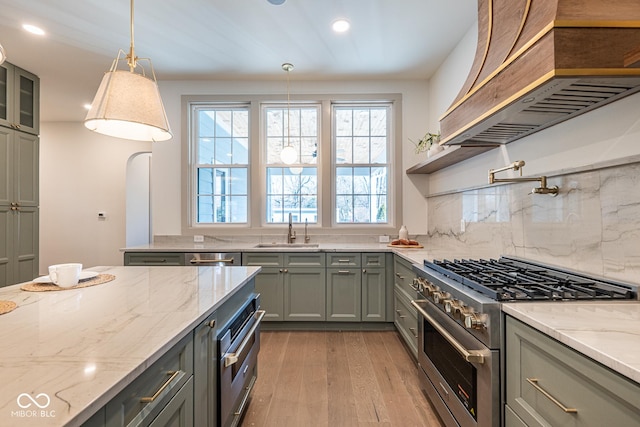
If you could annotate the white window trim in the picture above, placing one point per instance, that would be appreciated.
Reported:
(256, 200)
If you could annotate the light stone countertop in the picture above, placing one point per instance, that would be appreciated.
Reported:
(81, 347)
(606, 332)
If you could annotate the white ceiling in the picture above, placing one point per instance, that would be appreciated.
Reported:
(227, 39)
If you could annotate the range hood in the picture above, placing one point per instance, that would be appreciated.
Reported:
(541, 62)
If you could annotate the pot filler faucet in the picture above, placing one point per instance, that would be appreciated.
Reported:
(517, 166)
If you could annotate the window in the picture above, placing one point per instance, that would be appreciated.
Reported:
(346, 175)
(291, 189)
(222, 164)
(361, 141)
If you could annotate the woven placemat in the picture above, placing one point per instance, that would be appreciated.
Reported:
(44, 287)
(7, 306)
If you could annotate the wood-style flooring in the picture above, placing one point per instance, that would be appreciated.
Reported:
(336, 379)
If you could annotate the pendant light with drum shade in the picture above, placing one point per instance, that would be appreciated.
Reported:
(288, 155)
(128, 104)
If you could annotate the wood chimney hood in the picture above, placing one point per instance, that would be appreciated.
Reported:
(541, 62)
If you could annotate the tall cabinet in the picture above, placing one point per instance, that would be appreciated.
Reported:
(19, 164)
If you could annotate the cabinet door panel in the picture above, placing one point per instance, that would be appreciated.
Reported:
(6, 94)
(344, 294)
(374, 298)
(304, 297)
(179, 410)
(26, 244)
(6, 245)
(26, 100)
(26, 158)
(270, 286)
(6, 166)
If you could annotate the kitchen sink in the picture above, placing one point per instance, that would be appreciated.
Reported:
(286, 245)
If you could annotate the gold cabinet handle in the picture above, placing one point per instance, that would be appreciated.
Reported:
(173, 374)
(534, 383)
(400, 314)
(401, 277)
(343, 260)
(413, 331)
(343, 272)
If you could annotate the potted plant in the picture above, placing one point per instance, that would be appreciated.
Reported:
(429, 143)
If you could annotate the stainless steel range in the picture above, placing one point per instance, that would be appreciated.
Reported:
(460, 329)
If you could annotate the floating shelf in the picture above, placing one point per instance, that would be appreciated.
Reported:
(452, 155)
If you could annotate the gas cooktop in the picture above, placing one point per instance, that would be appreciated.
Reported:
(512, 279)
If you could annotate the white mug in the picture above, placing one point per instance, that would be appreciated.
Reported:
(65, 275)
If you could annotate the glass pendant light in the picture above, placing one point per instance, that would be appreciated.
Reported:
(288, 155)
(128, 104)
(3, 55)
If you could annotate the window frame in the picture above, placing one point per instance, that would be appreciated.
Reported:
(256, 200)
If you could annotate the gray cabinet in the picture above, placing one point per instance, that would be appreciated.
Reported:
(163, 390)
(304, 293)
(205, 378)
(357, 289)
(374, 294)
(153, 258)
(548, 383)
(19, 99)
(291, 285)
(19, 197)
(344, 294)
(405, 316)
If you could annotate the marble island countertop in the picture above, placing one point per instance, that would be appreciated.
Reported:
(606, 332)
(78, 348)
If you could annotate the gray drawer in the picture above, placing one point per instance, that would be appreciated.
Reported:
(304, 259)
(406, 321)
(373, 259)
(264, 259)
(146, 396)
(343, 259)
(153, 258)
(403, 276)
(538, 368)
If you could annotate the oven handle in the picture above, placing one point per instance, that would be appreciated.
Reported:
(231, 358)
(469, 356)
(211, 261)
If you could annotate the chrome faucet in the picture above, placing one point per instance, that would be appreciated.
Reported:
(291, 235)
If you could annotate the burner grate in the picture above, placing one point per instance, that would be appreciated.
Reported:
(510, 280)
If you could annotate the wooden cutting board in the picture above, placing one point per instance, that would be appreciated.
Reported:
(405, 246)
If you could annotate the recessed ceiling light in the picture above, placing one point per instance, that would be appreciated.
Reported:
(33, 29)
(340, 26)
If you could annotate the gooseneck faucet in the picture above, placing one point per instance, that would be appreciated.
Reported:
(517, 166)
(306, 231)
(291, 235)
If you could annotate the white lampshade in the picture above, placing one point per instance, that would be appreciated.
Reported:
(128, 105)
(288, 155)
(3, 55)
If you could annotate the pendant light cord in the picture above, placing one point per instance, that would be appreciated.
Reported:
(288, 67)
(131, 58)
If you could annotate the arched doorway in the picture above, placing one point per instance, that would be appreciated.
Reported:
(138, 207)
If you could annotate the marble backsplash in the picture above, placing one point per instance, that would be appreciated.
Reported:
(592, 225)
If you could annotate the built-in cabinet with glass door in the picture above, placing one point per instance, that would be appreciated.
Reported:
(19, 161)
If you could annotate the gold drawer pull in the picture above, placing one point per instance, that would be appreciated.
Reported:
(534, 383)
(161, 389)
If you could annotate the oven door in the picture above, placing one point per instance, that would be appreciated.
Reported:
(238, 345)
(459, 374)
